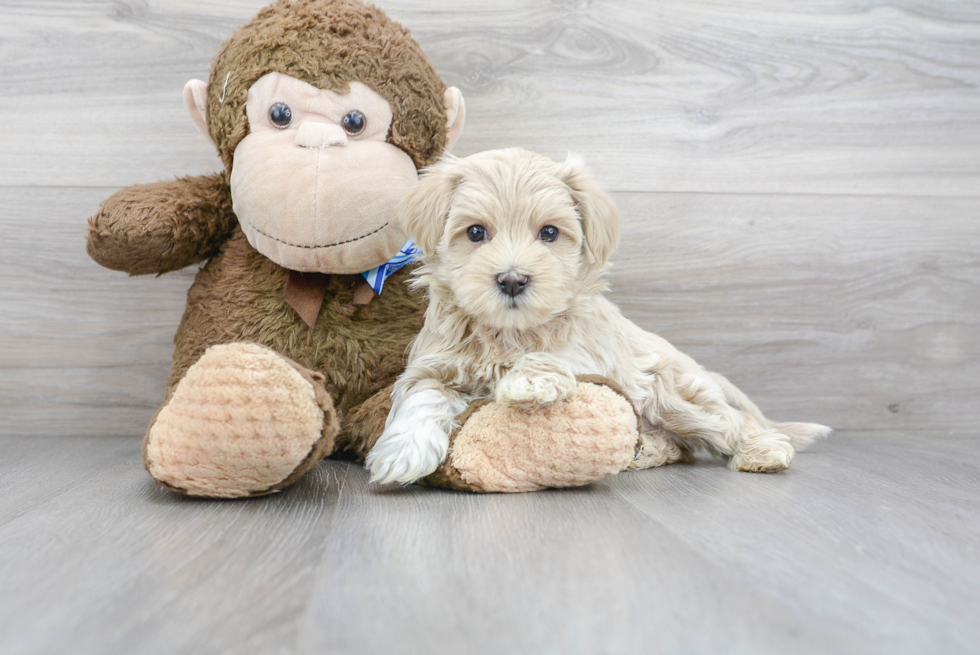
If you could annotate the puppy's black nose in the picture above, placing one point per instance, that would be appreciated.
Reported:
(513, 284)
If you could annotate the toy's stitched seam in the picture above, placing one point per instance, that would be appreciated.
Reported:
(316, 196)
(329, 245)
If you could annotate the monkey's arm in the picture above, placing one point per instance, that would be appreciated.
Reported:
(161, 227)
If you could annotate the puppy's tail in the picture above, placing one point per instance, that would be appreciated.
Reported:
(801, 434)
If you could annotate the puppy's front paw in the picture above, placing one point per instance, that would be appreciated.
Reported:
(406, 455)
(527, 391)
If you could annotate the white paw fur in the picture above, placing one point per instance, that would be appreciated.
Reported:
(765, 452)
(416, 438)
(528, 387)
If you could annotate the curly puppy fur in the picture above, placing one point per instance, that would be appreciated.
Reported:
(524, 349)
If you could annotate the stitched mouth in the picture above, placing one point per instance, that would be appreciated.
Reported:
(329, 245)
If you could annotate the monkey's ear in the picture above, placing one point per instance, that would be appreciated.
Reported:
(196, 101)
(455, 115)
(426, 206)
(600, 217)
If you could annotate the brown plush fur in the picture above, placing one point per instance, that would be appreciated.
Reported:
(329, 45)
(355, 351)
(363, 426)
(360, 350)
(162, 227)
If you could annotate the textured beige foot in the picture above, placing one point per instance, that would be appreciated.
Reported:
(243, 421)
(766, 452)
(589, 435)
(655, 449)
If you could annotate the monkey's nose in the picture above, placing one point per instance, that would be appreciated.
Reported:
(314, 134)
(513, 284)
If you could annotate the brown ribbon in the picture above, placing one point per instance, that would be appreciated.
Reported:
(363, 293)
(304, 292)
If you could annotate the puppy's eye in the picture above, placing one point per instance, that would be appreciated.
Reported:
(548, 233)
(477, 233)
(280, 115)
(353, 122)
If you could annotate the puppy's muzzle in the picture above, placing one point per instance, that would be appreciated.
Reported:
(513, 284)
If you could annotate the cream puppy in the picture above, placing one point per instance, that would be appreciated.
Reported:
(515, 249)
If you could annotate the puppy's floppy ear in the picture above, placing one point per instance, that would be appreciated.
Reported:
(426, 206)
(600, 217)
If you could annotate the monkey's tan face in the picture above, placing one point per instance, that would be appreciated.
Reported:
(314, 184)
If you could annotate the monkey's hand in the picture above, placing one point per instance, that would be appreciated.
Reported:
(161, 227)
(536, 381)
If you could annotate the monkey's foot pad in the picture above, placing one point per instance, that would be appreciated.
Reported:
(589, 435)
(243, 421)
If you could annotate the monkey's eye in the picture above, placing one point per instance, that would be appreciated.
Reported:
(353, 122)
(476, 233)
(548, 233)
(280, 115)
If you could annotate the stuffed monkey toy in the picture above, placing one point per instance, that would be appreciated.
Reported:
(297, 324)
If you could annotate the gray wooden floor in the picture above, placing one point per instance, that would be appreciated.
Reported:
(800, 186)
(869, 545)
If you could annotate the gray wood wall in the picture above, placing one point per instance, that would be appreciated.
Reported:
(800, 184)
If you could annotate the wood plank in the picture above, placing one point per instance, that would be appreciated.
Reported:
(876, 513)
(855, 312)
(862, 313)
(80, 346)
(118, 563)
(706, 96)
(552, 572)
(868, 545)
(26, 482)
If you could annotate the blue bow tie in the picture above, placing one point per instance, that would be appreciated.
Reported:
(376, 276)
